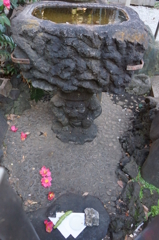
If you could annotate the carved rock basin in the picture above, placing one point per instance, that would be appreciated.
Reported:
(78, 61)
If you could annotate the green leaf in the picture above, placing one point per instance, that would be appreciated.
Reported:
(5, 19)
(1, 8)
(36, 94)
(1, 2)
(1, 21)
(14, 3)
(5, 53)
(2, 29)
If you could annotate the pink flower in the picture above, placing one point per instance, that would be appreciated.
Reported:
(51, 195)
(13, 129)
(23, 136)
(46, 181)
(6, 3)
(45, 172)
(49, 226)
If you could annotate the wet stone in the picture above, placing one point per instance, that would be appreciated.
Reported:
(91, 217)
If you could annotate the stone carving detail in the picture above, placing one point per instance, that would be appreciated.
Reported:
(68, 57)
(78, 58)
(76, 109)
(72, 111)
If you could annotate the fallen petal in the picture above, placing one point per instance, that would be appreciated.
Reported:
(45, 172)
(85, 194)
(27, 133)
(51, 196)
(23, 136)
(46, 221)
(46, 181)
(120, 183)
(45, 134)
(14, 129)
(49, 226)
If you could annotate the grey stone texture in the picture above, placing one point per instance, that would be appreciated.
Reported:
(17, 99)
(14, 94)
(131, 168)
(157, 58)
(5, 87)
(69, 57)
(74, 168)
(75, 113)
(91, 217)
(130, 196)
(155, 86)
(140, 84)
(154, 130)
(150, 169)
(15, 81)
(151, 56)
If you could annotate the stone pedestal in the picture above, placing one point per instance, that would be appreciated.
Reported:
(74, 115)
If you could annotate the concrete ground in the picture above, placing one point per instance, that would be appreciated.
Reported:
(74, 168)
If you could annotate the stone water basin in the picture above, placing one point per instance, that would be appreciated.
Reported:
(78, 50)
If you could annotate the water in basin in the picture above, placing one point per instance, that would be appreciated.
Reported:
(81, 15)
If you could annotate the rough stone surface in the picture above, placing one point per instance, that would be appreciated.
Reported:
(151, 56)
(131, 168)
(157, 58)
(154, 130)
(76, 168)
(140, 156)
(15, 81)
(5, 87)
(18, 100)
(69, 57)
(150, 198)
(14, 94)
(155, 86)
(20, 105)
(75, 113)
(140, 84)
(76, 203)
(91, 217)
(150, 169)
(130, 195)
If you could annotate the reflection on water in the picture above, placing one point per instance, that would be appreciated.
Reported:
(80, 15)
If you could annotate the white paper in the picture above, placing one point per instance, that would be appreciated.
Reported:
(61, 227)
(73, 232)
(65, 227)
